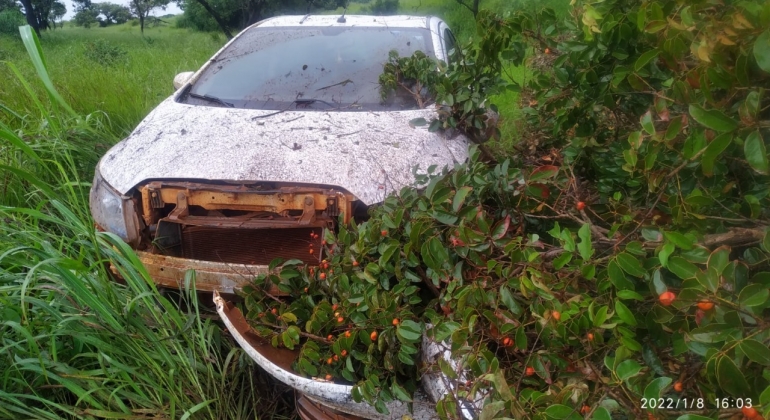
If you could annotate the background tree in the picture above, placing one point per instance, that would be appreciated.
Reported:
(114, 14)
(142, 9)
(210, 15)
(86, 18)
(58, 10)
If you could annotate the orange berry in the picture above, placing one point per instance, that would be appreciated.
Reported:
(328, 377)
(336, 358)
(590, 336)
(384, 233)
(529, 371)
(355, 263)
(347, 334)
(335, 306)
(312, 234)
(344, 353)
(749, 412)
(274, 311)
(547, 50)
(556, 315)
(678, 386)
(580, 205)
(705, 305)
(306, 290)
(585, 410)
(261, 314)
(329, 361)
(311, 250)
(395, 321)
(666, 298)
(373, 335)
(340, 320)
(322, 276)
(323, 242)
(330, 337)
(507, 342)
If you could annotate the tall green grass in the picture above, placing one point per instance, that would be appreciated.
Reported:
(125, 88)
(73, 343)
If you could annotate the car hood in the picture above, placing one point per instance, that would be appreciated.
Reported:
(369, 154)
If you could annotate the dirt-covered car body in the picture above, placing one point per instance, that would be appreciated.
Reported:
(276, 138)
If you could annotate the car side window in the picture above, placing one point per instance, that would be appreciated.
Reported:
(450, 43)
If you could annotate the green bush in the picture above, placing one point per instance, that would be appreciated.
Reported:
(103, 52)
(10, 20)
(624, 258)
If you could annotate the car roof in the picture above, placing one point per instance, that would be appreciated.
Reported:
(398, 21)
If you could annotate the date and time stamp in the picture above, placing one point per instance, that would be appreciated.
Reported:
(695, 403)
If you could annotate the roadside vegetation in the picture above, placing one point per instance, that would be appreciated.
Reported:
(607, 246)
(620, 261)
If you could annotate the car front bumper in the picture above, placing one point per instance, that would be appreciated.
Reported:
(168, 271)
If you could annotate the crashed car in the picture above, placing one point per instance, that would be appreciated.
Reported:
(282, 134)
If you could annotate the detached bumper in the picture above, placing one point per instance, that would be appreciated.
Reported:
(210, 276)
(277, 362)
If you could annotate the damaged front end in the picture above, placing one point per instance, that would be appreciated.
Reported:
(227, 233)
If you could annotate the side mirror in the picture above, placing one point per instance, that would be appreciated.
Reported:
(182, 78)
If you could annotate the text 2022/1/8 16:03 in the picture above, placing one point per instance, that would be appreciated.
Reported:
(690, 403)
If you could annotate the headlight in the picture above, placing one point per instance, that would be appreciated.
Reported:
(113, 212)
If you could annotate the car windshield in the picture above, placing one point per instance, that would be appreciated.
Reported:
(314, 68)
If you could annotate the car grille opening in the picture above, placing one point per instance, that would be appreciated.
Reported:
(251, 246)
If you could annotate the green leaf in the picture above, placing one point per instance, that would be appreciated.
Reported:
(762, 51)
(409, 331)
(585, 247)
(601, 413)
(627, 369)
(630, 294)
(673, 129)
(756, 153)
(753, 295)
(490, 410)
(644, 59)
(756, 351)
(508, 300)
(630, 264)
(443, 330)
(561, 412)
(664, 253)
(624, 313)
(399, 392)
(731, 379)
(544, 172)
(682, 268)
(679, 240)
(713, 119)
(647, 124)
(459, 198)
(654, 389)
(617, 277)
(601, 316)
(713, 150)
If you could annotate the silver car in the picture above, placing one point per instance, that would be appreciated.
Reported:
(281, 134)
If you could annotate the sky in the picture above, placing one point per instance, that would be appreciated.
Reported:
(172, 8)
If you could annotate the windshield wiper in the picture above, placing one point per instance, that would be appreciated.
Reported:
(306, 102)
(211, 99)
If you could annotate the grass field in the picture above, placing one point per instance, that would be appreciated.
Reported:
(114, 70)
